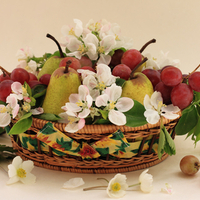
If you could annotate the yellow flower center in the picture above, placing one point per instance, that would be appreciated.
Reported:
(71, 31)
(79, 103)
(71, 119)
(26, 107)
(101, 86)
(21, 173)
(101, 49)
(112, 105)
(82, 49)
(3, 110)
(117, 38)
(27, 68)
(116, 187)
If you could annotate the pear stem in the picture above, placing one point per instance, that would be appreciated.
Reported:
(4, 71)
(68, 63)
(143, 61)
(59, 47)
(147, 44)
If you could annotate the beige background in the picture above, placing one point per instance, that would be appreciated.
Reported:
(174, 24)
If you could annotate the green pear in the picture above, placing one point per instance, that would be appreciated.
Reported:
(53, 62)
(63, 82)
(137, 87)
(50, 66)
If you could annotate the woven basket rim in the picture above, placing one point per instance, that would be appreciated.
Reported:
(99, 128)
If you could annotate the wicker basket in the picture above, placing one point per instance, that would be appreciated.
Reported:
(91, 133)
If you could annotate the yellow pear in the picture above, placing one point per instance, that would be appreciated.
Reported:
(137, 87)
(63, 82)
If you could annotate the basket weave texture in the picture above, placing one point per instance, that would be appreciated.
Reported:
(143, 157)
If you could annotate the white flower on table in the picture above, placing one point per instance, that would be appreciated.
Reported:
(114, 104)
(155, 108)
(21, 171)
(146, 181)
(117, 186)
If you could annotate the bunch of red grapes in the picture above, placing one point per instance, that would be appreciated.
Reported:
(20, 75)
(169, 81)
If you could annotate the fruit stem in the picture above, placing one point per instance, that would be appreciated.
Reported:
(147, 44)
(143, 61)
(191, 73)
(68, 63)
(4, 71)
(59, 47)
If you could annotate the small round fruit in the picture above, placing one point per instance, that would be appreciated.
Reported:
(116, 58)
(5, 89)
(122, 70)
(182, 95)
(153, 75)
(33, 83)
(171, 76)
(20, 75)
(189, 165)
(45, 78)
(32, 77)
(4, 76)
(75, 63)
(165, 92)
(194, 81)
(88, 68)
(85, 61)
(131, 58)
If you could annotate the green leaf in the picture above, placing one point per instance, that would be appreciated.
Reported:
(6, 152)
(39, 90)
(3, 103)
(197, 131)
(170, 147)
(2, 130)
(33, 101)
(135, 116)
(161, 144)
(187, 121)
(21, 125)
(101, 121)
(196, 96)
(104, 114)
(48, 117)
(28, 89)
(120, 82)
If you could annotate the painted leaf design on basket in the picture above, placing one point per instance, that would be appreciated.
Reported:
(48, 129)
(88, 152)
(58, 140)
(112, 143)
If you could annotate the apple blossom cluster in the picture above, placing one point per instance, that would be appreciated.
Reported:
(97, 40)
(25, 58)
(99, 95)
(17, 104)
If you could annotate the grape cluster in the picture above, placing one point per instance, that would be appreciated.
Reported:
(175, 87)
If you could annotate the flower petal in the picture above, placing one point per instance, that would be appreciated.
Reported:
(28, 165)
(102, 100)
(12, 180)
(29, 179)
(124, 104)
(117, 117)
(152, 116)
(73, 183)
